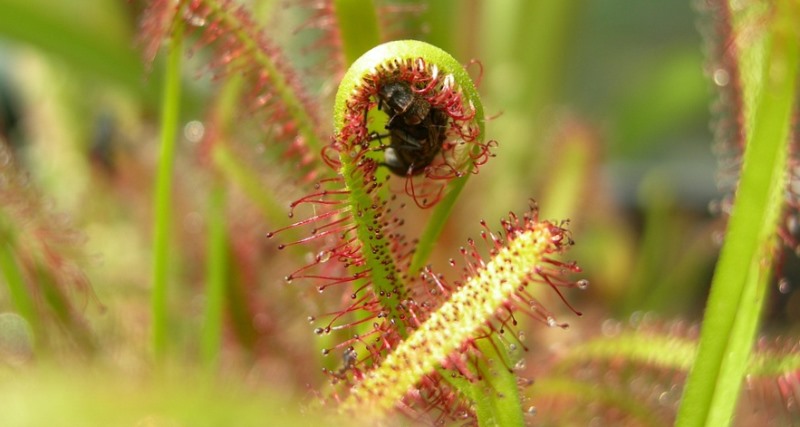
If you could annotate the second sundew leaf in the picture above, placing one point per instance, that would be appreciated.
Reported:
(445, 338)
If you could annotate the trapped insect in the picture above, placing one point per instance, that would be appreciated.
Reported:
(416, 129)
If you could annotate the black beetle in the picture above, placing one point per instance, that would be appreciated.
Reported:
(417, 136)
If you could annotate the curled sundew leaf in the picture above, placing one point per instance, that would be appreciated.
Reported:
(438, 119)
(442, 86)
(437, 80)
(352, 220)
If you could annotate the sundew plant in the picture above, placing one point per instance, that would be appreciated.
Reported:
(386, 212)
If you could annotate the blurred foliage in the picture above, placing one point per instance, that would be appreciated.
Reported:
(601, 111)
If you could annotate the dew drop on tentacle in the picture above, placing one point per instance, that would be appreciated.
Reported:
(195, 20)
(635, 319)
(792, 224)
(611, 328)
(194, 131)
(324, 256)
(721, 77)
(784, 285)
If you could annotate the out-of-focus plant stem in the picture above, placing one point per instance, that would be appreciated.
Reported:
(216, 269)
(163, 204)
(358, 27)
(18, 291)
(744, 271)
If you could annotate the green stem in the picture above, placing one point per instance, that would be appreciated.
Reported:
(216, 273)
(736, 299)
(20, 297)
(163, 196)
(444, 30)
(435, 225)
(358, 27)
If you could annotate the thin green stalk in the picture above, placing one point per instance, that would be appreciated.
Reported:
(216, 271)
(163, 206)
(531, 35)
(744, 269)
(217, 240)
(652, 257)
(570, 173)
(442, 16)
(358, 27)
(526, 39)
(435, 224)
(21, 299)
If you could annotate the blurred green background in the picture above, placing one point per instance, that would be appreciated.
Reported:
(602, 112)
